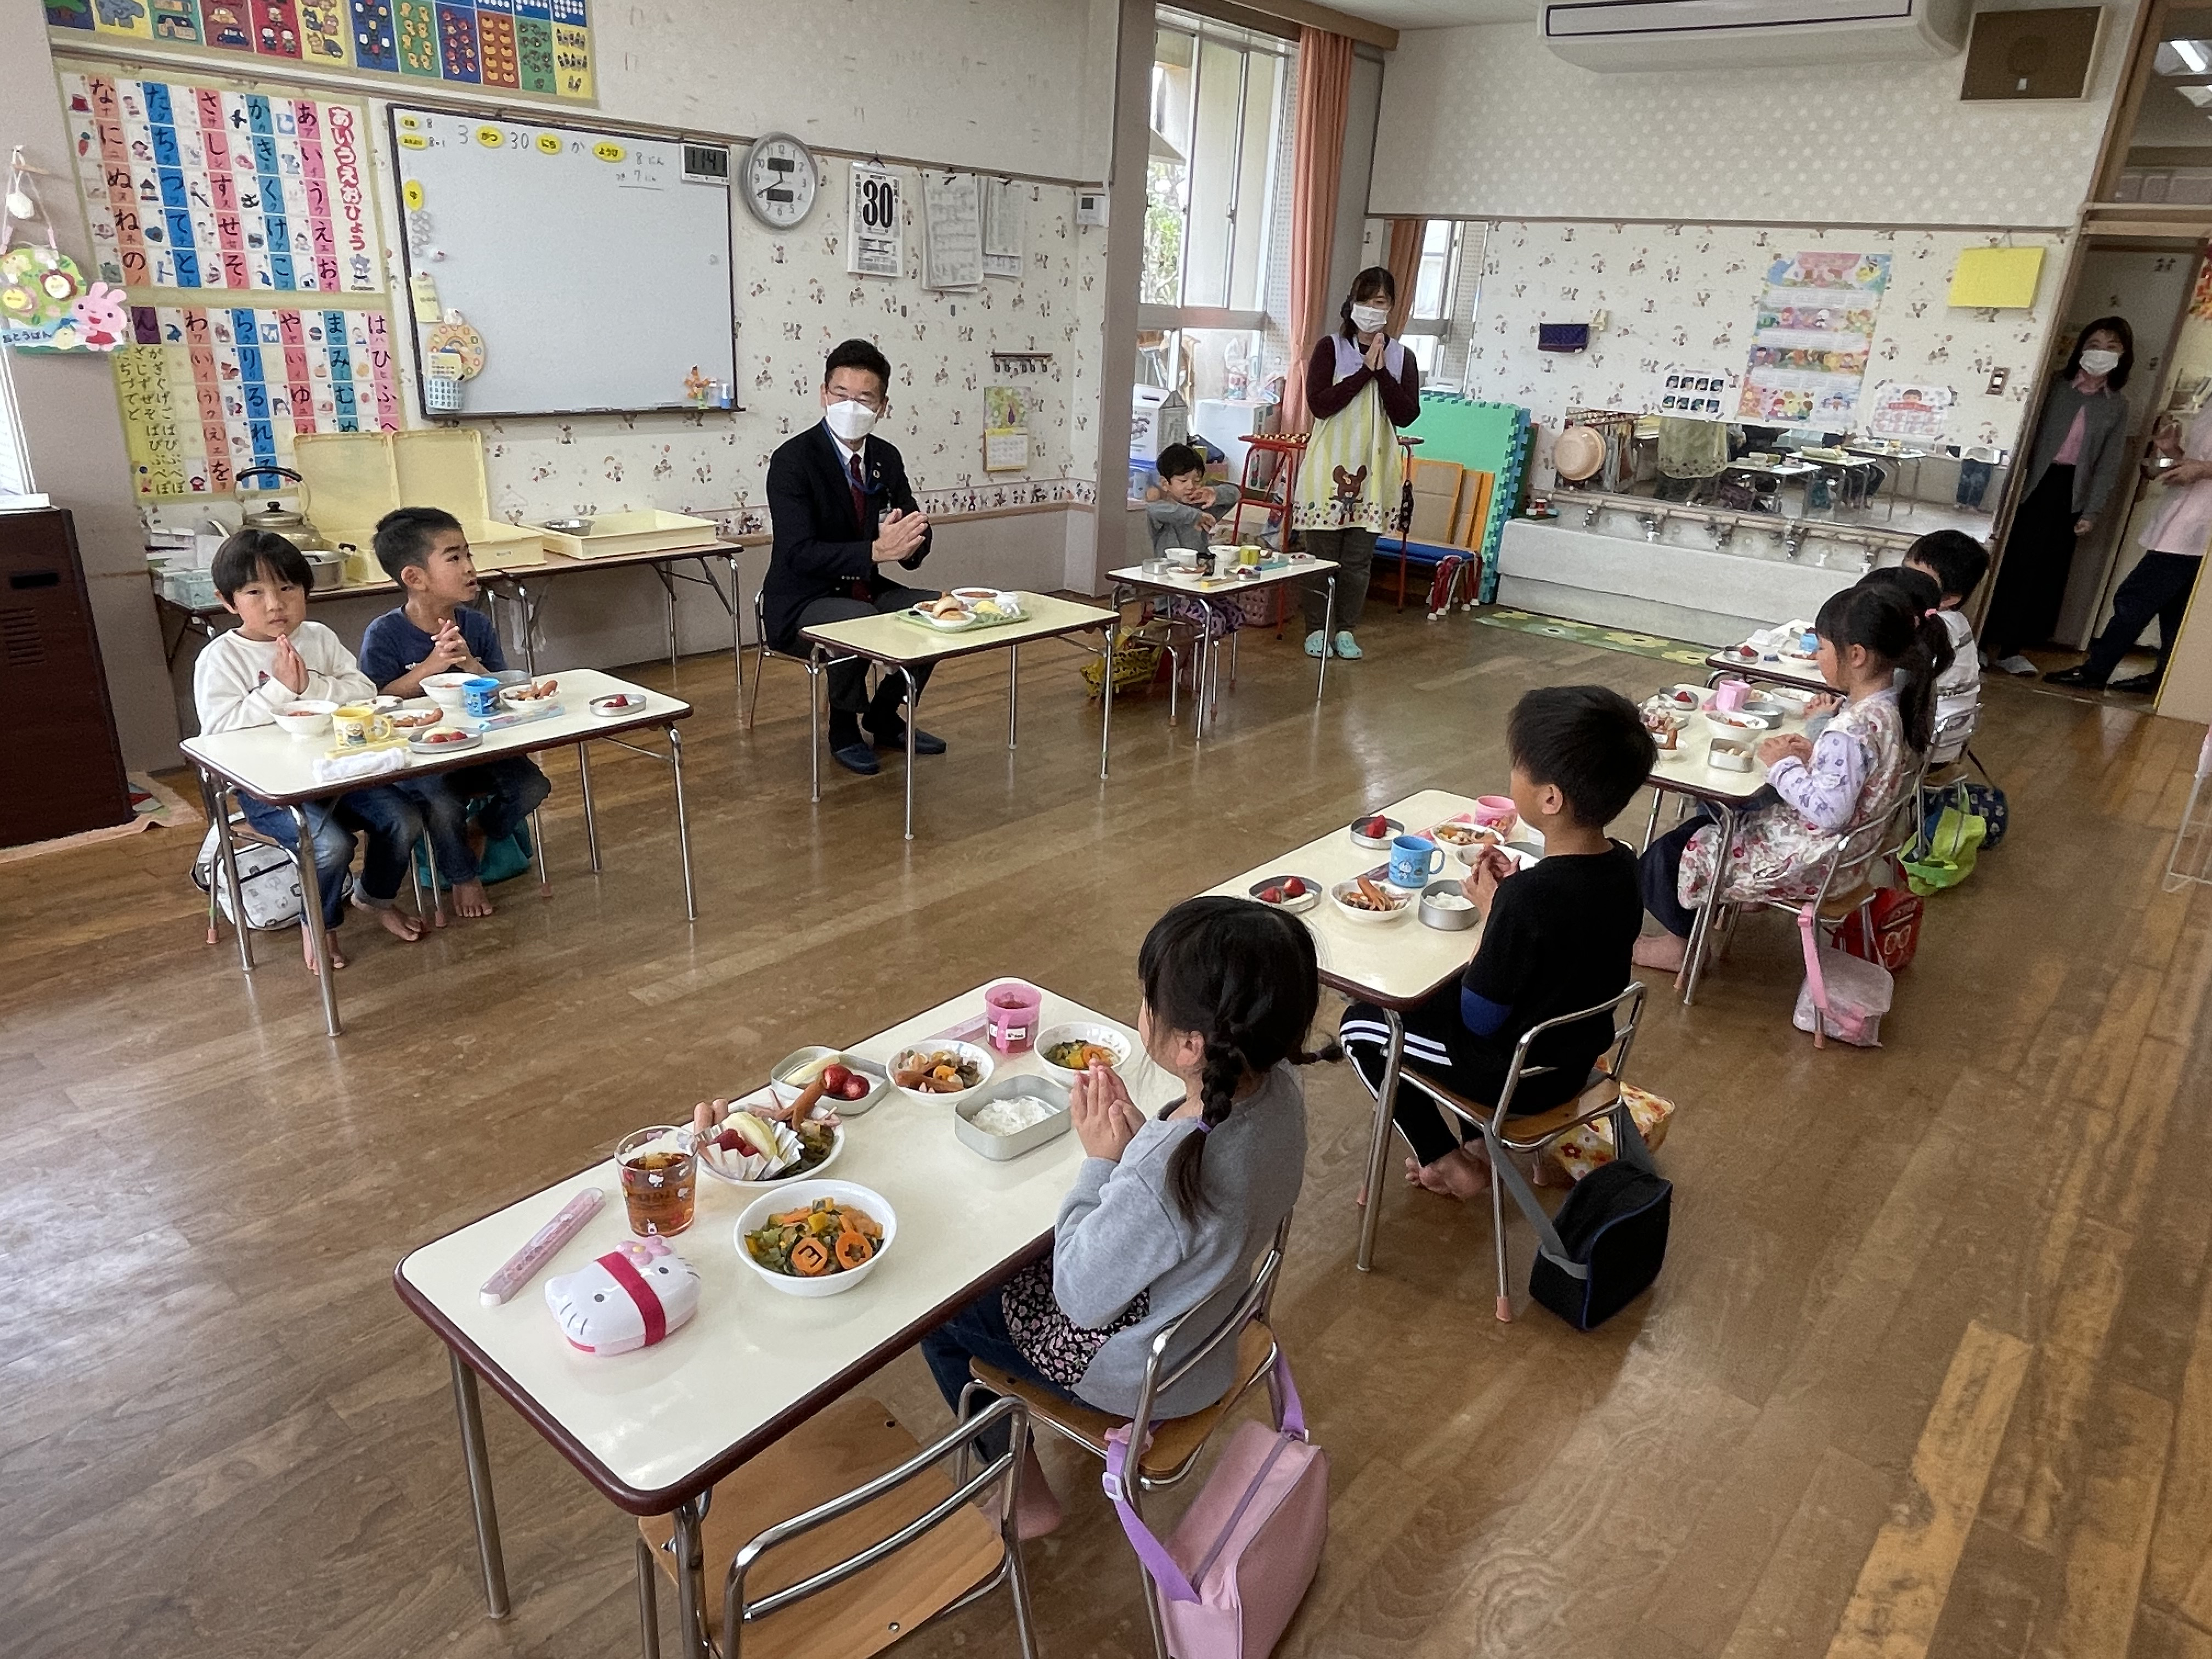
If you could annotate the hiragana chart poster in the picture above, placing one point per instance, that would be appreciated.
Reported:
(209, 392)
(190, 187)
(1811, 339)
(525, 45)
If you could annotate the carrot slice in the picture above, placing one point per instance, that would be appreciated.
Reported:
(853, 1249)
(789, 1218)
(808, 1259)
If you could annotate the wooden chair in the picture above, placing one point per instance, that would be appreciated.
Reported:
(880, 1540)
(1534, 1135)
(1171, 1448)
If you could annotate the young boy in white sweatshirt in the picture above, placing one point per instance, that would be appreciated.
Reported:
(274, 657)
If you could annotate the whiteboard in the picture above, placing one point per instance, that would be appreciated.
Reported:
(598, 274)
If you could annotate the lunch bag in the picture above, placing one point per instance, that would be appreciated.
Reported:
(1240, 1559)
(1609, 1241)
(1887, 931)
(1946, 857)
(1843, 996)
(1983, 801)
(268, 881)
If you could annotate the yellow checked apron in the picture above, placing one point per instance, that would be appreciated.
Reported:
(1351, 474)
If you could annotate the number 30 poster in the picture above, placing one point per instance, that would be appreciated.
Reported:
(875, 237)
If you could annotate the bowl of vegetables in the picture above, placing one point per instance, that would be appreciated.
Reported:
(751, 1150)
(1069, 1051)
(941, 1069)
(816, 1237)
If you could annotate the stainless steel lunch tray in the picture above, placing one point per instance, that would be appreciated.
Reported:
(999, 1148)
(879, 1079)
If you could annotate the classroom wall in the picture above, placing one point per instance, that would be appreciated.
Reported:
(1483, 122)
(74, 428)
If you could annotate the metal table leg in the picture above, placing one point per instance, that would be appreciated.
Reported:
(228, 850)
(529, 610)
(470, 1410)
(1701, 930)
(737, 625)
(668, 601)
(1106, 705)
(584, 788)
(1013, 693)
(1327, 624)
(683, 823)
(913, 714)
(1378, 1148)
(691, 1580)
(537, 854)
(310, 900)
(813, 719)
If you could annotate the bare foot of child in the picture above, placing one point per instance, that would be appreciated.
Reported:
(1038, 1511)
(1462, 1174)
(307, 950)
(396, 921)
(469, 899)
(1660, 951)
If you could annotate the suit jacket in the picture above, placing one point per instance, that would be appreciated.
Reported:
(820, 549)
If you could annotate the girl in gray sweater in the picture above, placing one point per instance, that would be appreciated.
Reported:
(1167, 1213)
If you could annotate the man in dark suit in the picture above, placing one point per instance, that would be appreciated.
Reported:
(844, 513)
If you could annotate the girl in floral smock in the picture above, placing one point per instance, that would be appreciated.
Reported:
(1820, 791)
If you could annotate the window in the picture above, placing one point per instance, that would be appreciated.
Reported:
(1215, 189)
(1435, 285)
(14, 459)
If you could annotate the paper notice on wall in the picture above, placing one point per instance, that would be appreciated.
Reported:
(1810, 342)
(952, 231)
(1910, 411)
(1003, 203)
(875, 234)
(1700, 390)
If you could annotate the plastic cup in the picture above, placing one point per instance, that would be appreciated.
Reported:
(660, 1180)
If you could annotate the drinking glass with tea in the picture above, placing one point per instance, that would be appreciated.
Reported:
(660, 1180)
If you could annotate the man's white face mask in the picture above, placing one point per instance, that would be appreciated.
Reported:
(850, 421)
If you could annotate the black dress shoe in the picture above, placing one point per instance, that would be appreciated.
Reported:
(2140, 685)
(856, 757)
(2077, 675)
(924, 743)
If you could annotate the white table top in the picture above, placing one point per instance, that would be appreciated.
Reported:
(1685, 771)
(1774, 470)
(268, 762)
(1397, 961)
(886, 638)
(1189, 581)
(649, 1428)
(1781, 671)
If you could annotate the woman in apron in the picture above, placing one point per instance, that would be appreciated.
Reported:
(1362, 386)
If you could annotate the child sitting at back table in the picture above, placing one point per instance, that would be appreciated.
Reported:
(1818, 792)
(1182, 506)
(1957, 563)
(435, 631)
(274, 657)
(1556, 937)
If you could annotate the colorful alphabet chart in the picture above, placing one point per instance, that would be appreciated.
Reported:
(525, 45)
(190, 187)
(207, 394)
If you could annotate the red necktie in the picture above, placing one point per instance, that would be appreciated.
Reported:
(861, 587)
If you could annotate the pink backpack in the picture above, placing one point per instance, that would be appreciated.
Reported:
(1244, 1551)
(1843, 996)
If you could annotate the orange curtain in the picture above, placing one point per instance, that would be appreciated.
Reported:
(1404, 259)
(1317, 163)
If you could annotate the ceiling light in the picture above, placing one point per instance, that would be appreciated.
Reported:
(2192, 53)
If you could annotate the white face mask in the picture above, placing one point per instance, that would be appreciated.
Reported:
(850, 421)
(2100, 362)
(1368, 318)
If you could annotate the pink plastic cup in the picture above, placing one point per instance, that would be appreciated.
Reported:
(1012, 1009)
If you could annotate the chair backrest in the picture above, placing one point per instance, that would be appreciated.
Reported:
(996, 1477)
(1259, 1293)
(1624, 1011)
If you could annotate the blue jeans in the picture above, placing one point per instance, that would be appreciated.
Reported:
(333, 843)
(394, 824)
(515, 789)
(979, 1331)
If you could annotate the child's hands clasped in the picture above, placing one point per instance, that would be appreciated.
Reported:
(1481, 882)
(291, 672)
(1105, 1116)
(1793, 745)
(447, 649)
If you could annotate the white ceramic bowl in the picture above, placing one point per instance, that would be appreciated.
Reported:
(306, 720)
(1765, 708)
(1373, 918)
(966, 1050)
(1080, 1031)
(1789, 699)
(515, 705)
(1730, 724)
(794, 1195)
(445, 690)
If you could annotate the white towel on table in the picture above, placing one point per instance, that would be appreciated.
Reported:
(350, 769)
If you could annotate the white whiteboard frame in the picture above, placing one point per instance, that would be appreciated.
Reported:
(403, 300)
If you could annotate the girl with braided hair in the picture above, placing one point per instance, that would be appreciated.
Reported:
(1167, 1213)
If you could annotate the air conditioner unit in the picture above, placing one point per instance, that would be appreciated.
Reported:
(1628, 35)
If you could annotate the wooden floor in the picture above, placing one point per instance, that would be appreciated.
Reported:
(1929, 1371)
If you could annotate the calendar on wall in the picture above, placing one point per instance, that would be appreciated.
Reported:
(542, 47)
(208, 393)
